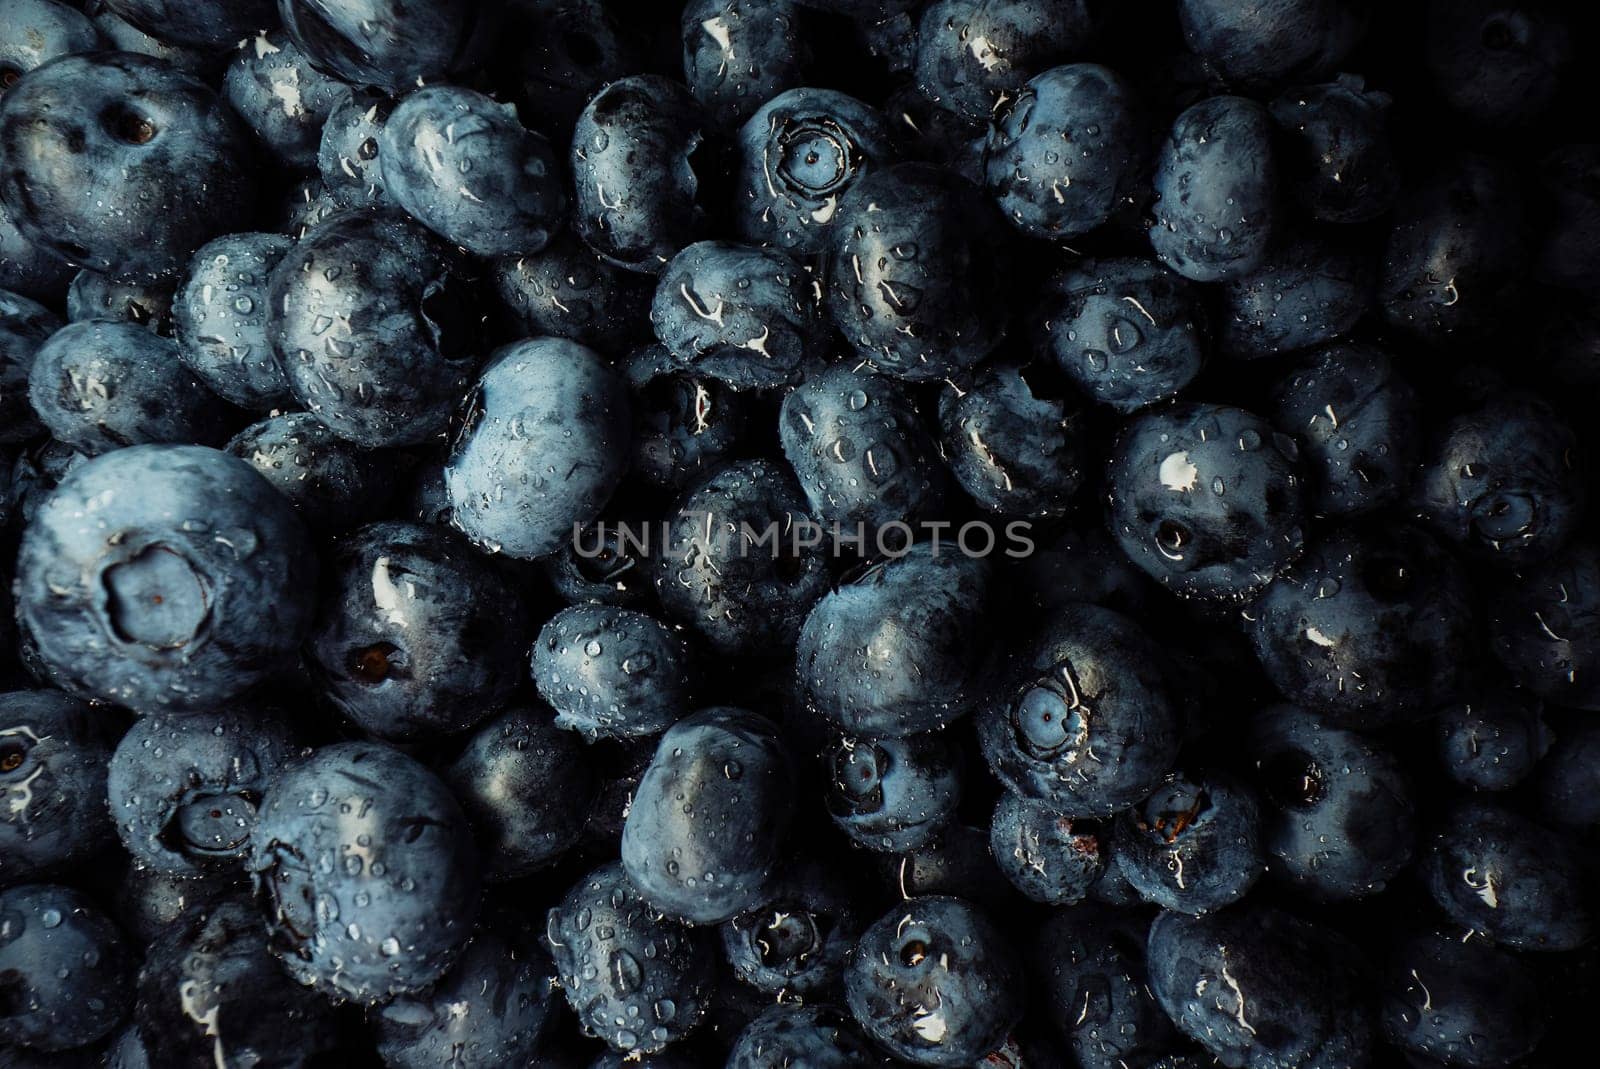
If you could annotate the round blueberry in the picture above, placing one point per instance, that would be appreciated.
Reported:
(797, 942)
(1013, 448)
(1048, 857)
(812, 1035)
(348, 154)
(1276, 41)
(892, 794)
(686, 424)
(148, 304)
(390, 44)
(53, 754)
(1194, 845)
(333, 484)
(974, 55)
(283, 98)
(1336, 149)
(1311, 286)
(205, 24)
(738, 54)
(570, 291)
(67, 972)
(1493, 740)
(1545, 627)
(1464, 1003)
(611, 672)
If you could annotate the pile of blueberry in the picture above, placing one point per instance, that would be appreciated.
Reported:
(798, 534)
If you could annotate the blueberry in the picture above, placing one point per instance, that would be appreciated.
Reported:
(464, 167)
(148, 304)
(1545, 627)
(126, 1051)
(350, 146)
(934, 982)
(1014, 449)
(1356, 418)
(901, 646)
(67, 972)
(1083, 719)
(916, 272)
(496, 1006)
(283, 98)
(798, 942)
(27, 269)
(742, 594)
(812, 1035)
(703, 839)
(1369, 629)
(99, 386)
(376, 326)
(53, 754)
(1508, 878)
(542, 449)
(1463, 1003)
(1262, 989)
(210, 991)
(1503, 482)
(333, 484)
(1216, 182)
(184, 791)
(956, 862)
(1207, 499)
(636, 166)
(555, 56)
(38, 471)
(861, 451)
(388, 43)
(1311, 287)
(1050, 858)
(121, 163)
(1492, 741)
(1288, 39)
(204, 62)
(306, 206)
(1336, 151)
(1338, 817)
(614, 953)
(527, 787)
(1194, 845)
(686, 424)
(611, 672)
(416, 635)
(738, 54)
(25, 325)
(38, 31)
(798, 157)
(205, 24)
(892, 794)
(175, 596)
(366, 870)
(570, 291)
(1499, 64)
(604, 563)
(1128, 332)
(1044, 187)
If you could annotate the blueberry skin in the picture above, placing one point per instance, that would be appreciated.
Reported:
(973, 55)
(28, 269)
(1357, 420)
(1216, 186)
(798, 157)
(633, 167)
(1091, 972)
(1463, 1003)
(226, 554)
(1083, 720)
(916, 272)
(148, 304)
(1496, 63)
(1503, 483)
(1335, 149)
(892, 794)
(307, 205)
(166, 161)
(569, 291)
(393, 913)
(282, 97)
(207, 24)
(1261, 989)
(149, 904)
(857, 443)
(1370, 628)
(203, 62)
(743, 315)
(1013, 451)
(212, 977)
(1564, 783)
(686, 424)
(183, 790)
(901, 647)
(1501, 875)
(496, 1006)
(614, 951)
(605, 563)
(38, 31)
(463, 166)
(332, 484)
(934, 982)
(741, 599)
(1194, 845)
(69, 971)
(611, 672)
(1048, 857)
(1338, 817)
(555, 56)
(389, 44)
(1456, 252)
(738, 54)
(1056, 193)
(1208, 499)
(1544, 626)
(1493, 741)
(25, 325)
(1128, 332)
(543, 447)
(527, 787)
(1312, 286)
(798, 942)
(53, 754)
(375, 325)
(416, 635)
(705, 835)
(350, 146)
(811, 1035)
(1274, 41)
(99, 386)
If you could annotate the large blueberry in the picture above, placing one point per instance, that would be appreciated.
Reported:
(1494, 739)
(391, 44)
(25, 325)
(348, 153)
(1273, 41)
(798, 941)
(1194, 845)
(68, 971)
(1016, 450)
(27, 269)
(1050, 858)
(37, 31)
(892, 794)
(686, 424)
(1313, 285)
(1545, 627)
(570, 291)
(165, 577)
(973, 55)
(816, 1036)
(283, 98)
(333, 484)
(1462, 1002)
(612, 672)
(53, 754)
(147, 303)
(1335, 149)
(206, 24)
(738, 54)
